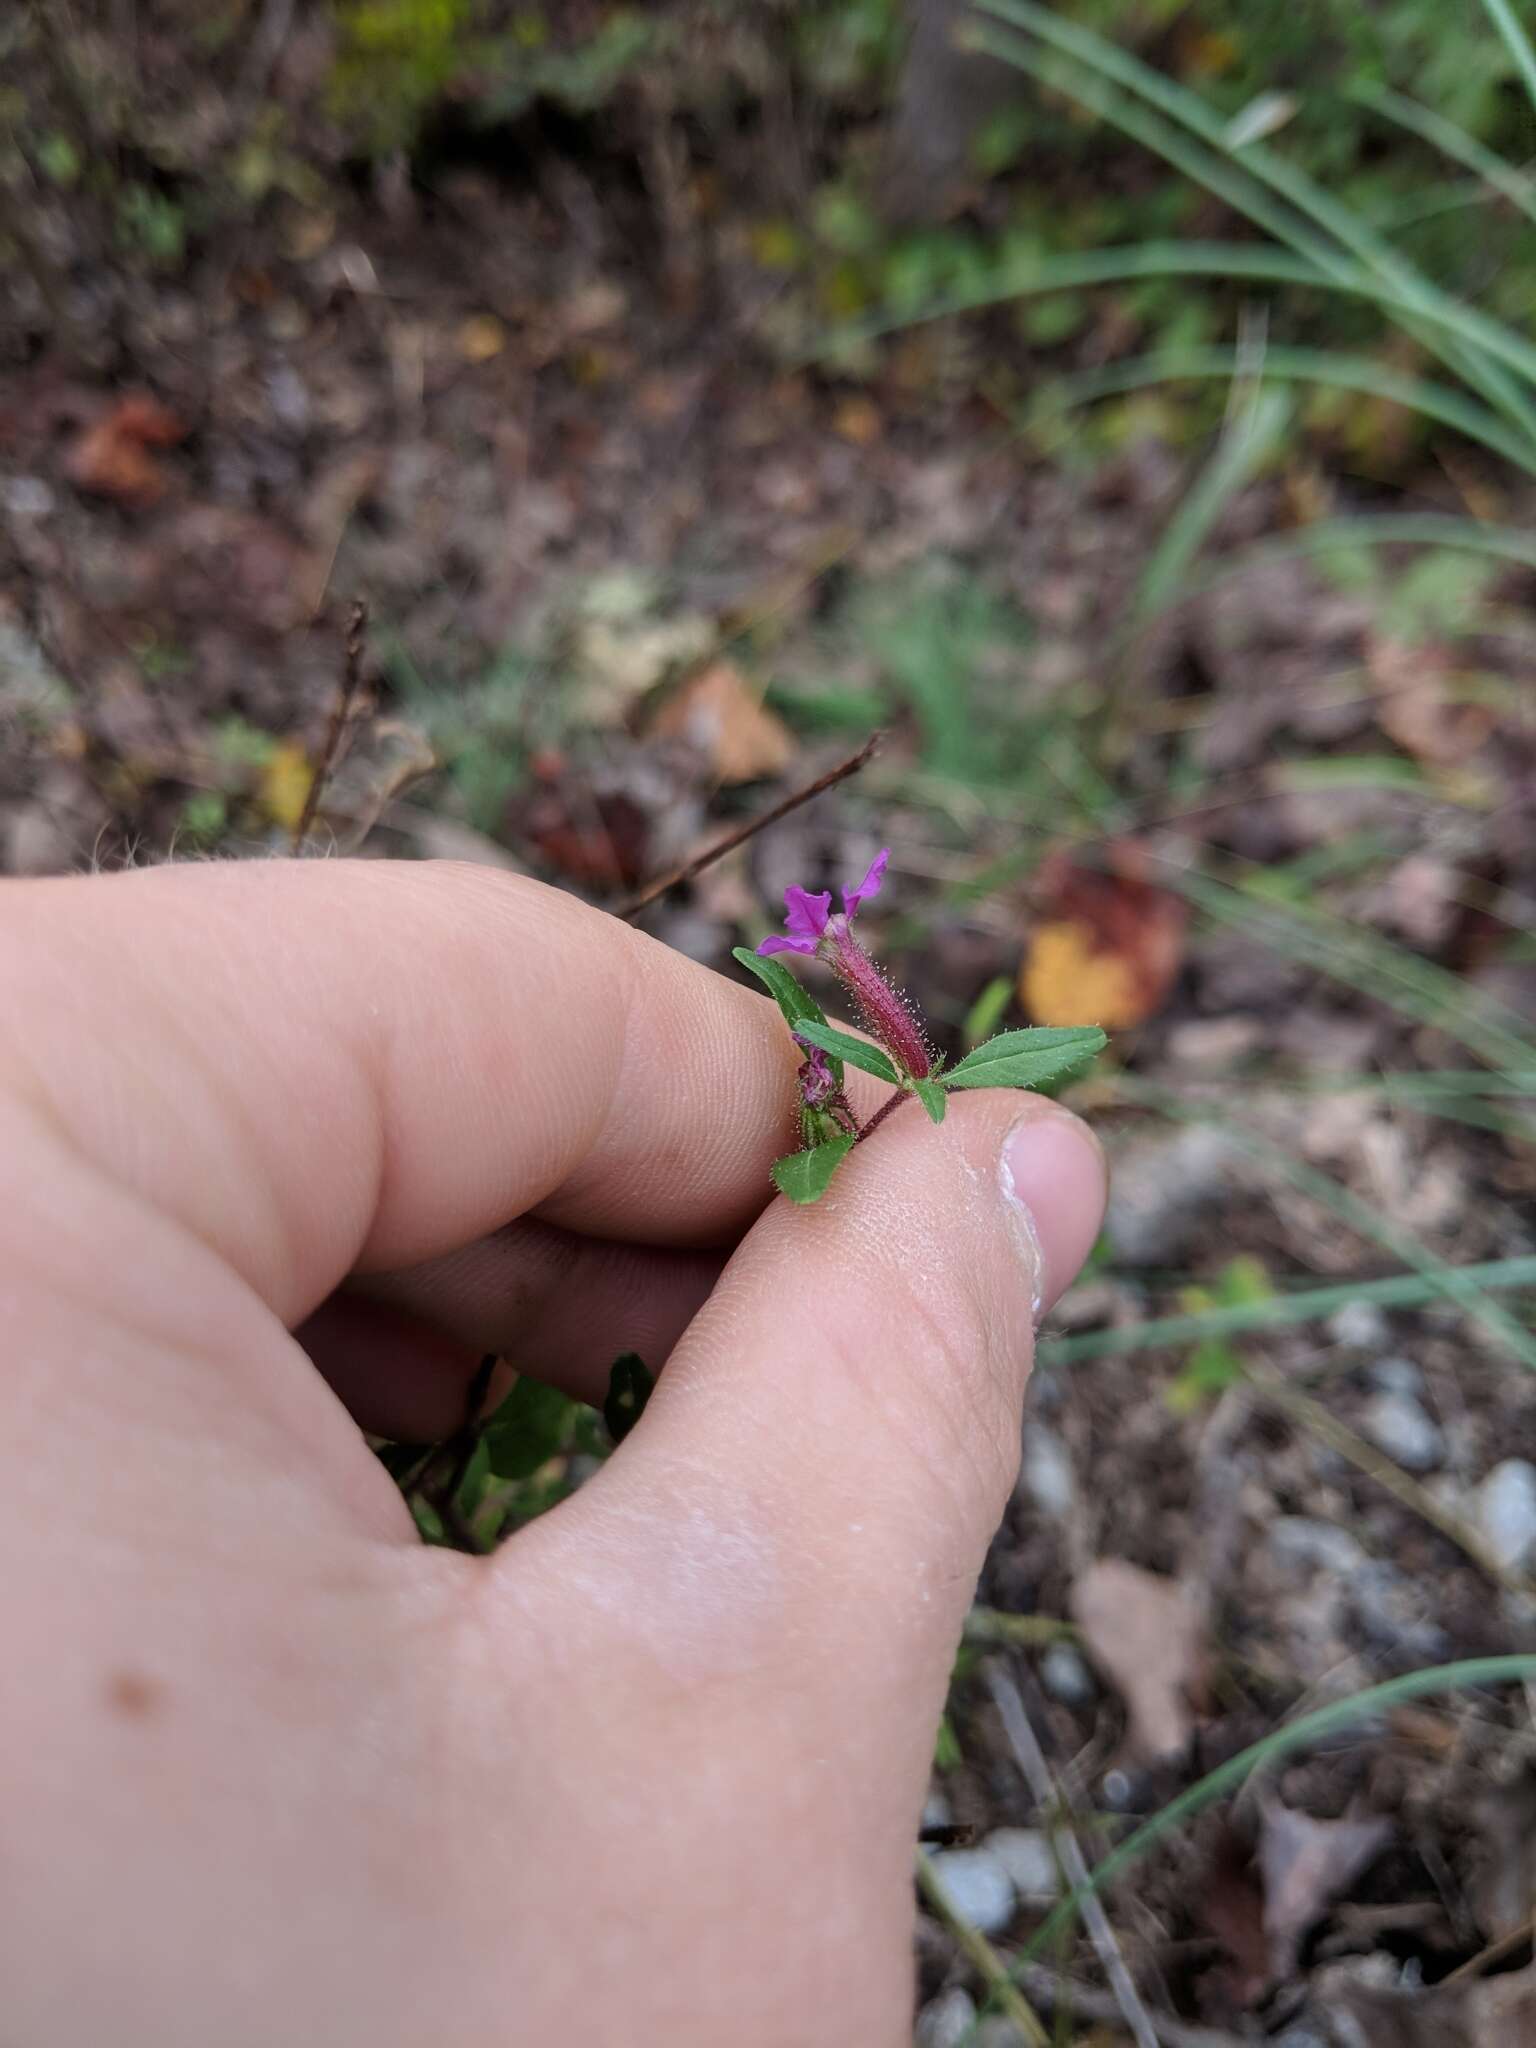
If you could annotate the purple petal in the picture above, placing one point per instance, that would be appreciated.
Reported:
(778, 945)
(805, 916)
(870, 886)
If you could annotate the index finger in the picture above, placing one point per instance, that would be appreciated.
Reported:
(320, 1065)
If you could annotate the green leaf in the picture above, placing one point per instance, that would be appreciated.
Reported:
(798, 1007)
(1027, 1059)
(931, 1095)
(853, 1050)
(806, 1176)
(629, 1388)
(527, 1429)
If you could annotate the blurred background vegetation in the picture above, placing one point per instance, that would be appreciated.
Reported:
(1130, 406)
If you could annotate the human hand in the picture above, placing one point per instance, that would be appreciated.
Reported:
(277, 1773)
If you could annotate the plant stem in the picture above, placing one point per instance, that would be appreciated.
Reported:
(893, 1101)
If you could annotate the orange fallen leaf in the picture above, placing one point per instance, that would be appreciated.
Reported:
(1107, 948)
(111, 458)
(858, 419)
(718, 712)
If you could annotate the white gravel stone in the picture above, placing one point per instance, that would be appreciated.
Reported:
(1359, 1324)
(1065, 1675)
(1397, 1376)
(977, 1886)
(1297, 1539)
(1046, 1471)
(1506, 1513)
(946, 2020)
(1027, 1856)
(1398, 1425)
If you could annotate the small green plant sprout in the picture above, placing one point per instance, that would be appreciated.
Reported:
(829, 1129)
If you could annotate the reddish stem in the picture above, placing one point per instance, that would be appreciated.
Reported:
(892, 1101)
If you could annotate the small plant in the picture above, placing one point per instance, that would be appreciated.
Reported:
(829, 1129)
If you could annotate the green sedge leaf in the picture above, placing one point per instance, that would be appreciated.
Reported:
(527, 1429)
(629, 1388)
(806, 1176)
(931, 1095)
(853, 1050)
(1027, 1059)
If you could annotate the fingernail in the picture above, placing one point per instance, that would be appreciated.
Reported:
(1053, 1175)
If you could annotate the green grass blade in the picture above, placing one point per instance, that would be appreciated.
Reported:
(1451, 1282)
(1278, 1311)
(1294, 365)
(1360, 960)
(1451, 141)
(1516, 41)
(1241, 452)
(1302, 1734)
(1481, 349)
(1080, 269)
(1388, 529)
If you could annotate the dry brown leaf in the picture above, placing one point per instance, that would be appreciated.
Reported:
(1108, 946)
(1414, 706)
(1146, 1636)
(859, 420)
(1305, 1864)
(112, 458)
(719, 714)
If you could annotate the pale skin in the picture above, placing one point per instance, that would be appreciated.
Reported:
(272, 1771)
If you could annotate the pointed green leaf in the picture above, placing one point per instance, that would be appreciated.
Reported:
(806, 1176)
(931, 1096)
(791, 998)
(1027, 1059)
(629, 1388)
(795, 1006)
(842, 1047)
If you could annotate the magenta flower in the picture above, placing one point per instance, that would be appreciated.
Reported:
(811, 926)
(807, 918)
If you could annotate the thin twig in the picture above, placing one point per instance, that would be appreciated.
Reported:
(351, 676)
(1030, 1758)
(732, 840)
(982, 1957)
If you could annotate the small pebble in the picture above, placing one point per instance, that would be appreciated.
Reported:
(1027, 1856)
(977, 1886)
(937, 1811)
(1398, 1425)
(1065, 1675)
(1397, 1375)
(1360, 1325)
(1046, 1471)
(1506, 1513)
(1297, 1539)
(945, 2021)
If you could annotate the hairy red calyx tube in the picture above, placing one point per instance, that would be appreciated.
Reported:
(811, 926)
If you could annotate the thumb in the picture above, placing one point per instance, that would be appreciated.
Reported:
(814, 1484)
